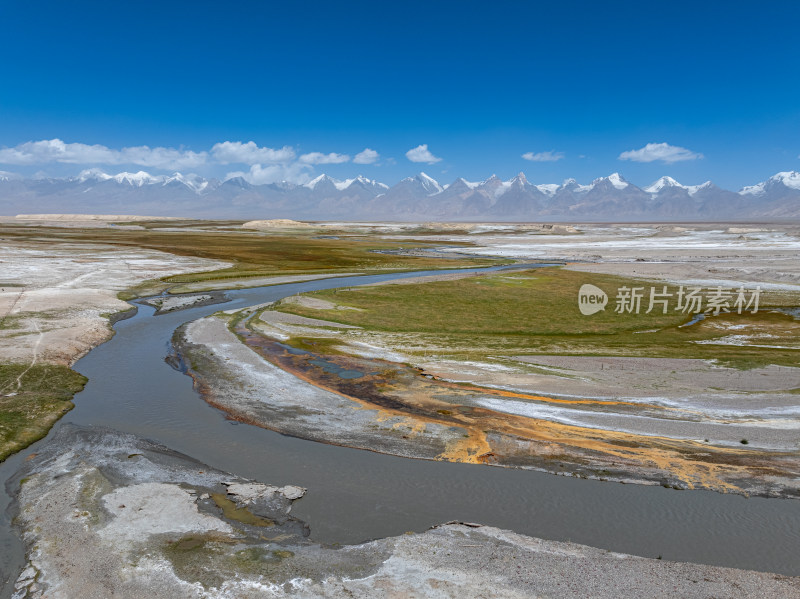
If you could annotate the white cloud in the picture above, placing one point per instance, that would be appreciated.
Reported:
(237, 152)
(550, 156)
(274, 173)
(55, 150)
(663, 152)
(422, 154)
(165, 158)
(287, 165)
(367, 156)
(320, 158)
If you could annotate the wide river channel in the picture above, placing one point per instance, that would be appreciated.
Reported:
(355, 495)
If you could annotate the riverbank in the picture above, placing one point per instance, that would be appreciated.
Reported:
(401, 494)
(64, 279)
(209, 534)
(460, 369)
(388, 407)
(57, 302)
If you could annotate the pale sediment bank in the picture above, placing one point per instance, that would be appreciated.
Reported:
(234, 378)
(55, 298)
(390, 408)
(152, 522)
(698, 254)
(58, 300)
(171, 303)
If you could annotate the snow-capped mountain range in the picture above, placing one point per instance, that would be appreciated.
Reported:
(415, 198)
(194, 182)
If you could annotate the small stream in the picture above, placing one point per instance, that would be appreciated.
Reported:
(355, 495)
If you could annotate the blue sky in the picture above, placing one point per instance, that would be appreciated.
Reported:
(480, 83)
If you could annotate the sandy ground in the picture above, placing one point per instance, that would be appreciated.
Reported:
(685, 441)
(696, 400)
(698, 254)
(88, 490)
(444, 228)
(276, 223)
(84, 221)
(678, 398)
(171, 303)
(53, 295)
(238, 380)
(315, 302)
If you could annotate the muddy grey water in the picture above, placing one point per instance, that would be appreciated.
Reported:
(354, 495)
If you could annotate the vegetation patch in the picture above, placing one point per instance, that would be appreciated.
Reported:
(194, 558)
(254, 254)
(240, 514)
(211, 559)
(536, 312)
(32, 399)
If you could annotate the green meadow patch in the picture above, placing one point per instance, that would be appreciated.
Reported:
(255, 254)
(32, 400)
(536, 312)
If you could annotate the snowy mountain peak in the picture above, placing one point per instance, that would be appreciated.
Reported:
(142, 178)
(137, 179)
(91, 174)
(573, 186)
(342, 185)
(192, 181)
(361, 181)
(548, 189)
(429, 183)
(670, 183)
(662, 183)
(617, 181)
(607, 198)
(316, 181)
(366, 182)
(790, 179)
(693, 189)
(521, 179)
(790, 176)
(345, 184)
(470, 184)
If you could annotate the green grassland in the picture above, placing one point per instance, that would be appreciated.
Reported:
(32, 400)
(253, 254)
(536, 312)
(29, 409)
